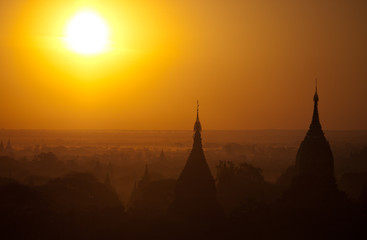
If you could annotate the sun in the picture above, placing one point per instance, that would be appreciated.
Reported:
(87, 33)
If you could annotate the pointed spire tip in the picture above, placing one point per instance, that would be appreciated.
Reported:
(197, 106)
(197, 126)
(316, 96)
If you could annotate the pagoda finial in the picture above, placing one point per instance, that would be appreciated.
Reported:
(316, 97)
(197, 126)
(197, 109)
(315, 124)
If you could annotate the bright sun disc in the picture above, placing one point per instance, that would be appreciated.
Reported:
(87, 33)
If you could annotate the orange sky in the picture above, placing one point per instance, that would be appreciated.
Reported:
(252, 64)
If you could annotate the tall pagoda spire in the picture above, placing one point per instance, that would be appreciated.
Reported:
(197, 126)
(315, 126)
(195, 192)
(314, 177)
(197, 130)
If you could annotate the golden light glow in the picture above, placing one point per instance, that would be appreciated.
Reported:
(87, 33)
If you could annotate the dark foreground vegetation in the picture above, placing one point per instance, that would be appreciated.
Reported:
(78, 206)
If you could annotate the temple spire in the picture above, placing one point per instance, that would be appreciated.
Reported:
(316, 96)
(197, 131)
(315, 124)
(197, 126)
(197, 109)
(195, 191)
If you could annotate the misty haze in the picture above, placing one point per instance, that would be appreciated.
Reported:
(183, 119)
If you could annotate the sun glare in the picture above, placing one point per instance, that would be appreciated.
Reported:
(87, 33)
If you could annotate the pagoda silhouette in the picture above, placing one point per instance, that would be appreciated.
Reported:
(136, 196)
(314, 181)
(195, 191)
(6, 150)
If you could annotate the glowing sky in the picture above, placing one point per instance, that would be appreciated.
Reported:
(252, 64)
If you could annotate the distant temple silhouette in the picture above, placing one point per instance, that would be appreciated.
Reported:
(162, 157)
(9, 147)
(195, 192)
(7, 150)
(160, 161)
(151, 197)
(136, 196)
(314, 179)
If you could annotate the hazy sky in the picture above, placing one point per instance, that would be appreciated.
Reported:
(251, 64)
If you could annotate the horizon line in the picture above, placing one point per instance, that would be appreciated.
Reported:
(120, 129)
